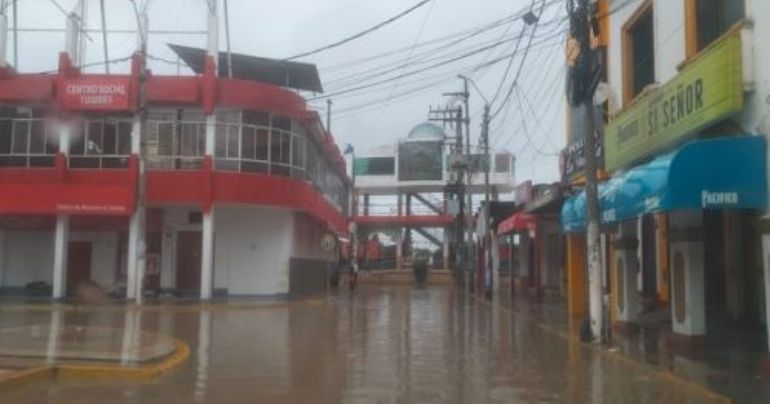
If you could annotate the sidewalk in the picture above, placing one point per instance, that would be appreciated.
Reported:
(731, 363)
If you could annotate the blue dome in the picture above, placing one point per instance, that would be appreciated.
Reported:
(426, 130)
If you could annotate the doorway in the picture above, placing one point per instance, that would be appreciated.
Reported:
(188, 261)
(78, 264)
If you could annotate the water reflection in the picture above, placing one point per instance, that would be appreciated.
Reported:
(377, 345)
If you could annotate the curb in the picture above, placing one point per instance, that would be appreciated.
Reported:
(80, 371)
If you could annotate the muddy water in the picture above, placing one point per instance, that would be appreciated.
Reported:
(378, 345)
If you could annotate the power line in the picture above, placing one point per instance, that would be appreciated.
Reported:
(362, 33)
(521, 65)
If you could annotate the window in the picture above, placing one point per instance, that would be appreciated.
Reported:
(502, 163)
(638, 52)
(102, 143)
(709, 20)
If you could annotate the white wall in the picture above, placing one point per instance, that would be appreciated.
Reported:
(28, 257)
(252, 246)
(306, 238)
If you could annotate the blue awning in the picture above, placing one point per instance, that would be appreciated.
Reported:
(721, 173)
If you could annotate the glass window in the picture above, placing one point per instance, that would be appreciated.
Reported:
(286, 148)
(502, 163)
(639, 54)
(227, 141)
(261, 152)
(248, 143)
(256, 118)
(298, 152)
(715, 17)
(191, 140)
(280, 122)
(20, 137)
(275, 145)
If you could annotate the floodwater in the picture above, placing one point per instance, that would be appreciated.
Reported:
(376, 345)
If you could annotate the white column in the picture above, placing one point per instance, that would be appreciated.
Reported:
(136, 222)
(4, 40)
(207, 255)
(688, 307)
(626, 272)
(135, 253)
(61, 232)
(207, 250)
(61, 240)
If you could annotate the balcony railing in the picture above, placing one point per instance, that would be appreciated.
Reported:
(173, 145)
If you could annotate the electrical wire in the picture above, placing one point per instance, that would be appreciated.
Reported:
(362, 33)
(521, 65)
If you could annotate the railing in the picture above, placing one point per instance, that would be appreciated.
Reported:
(26, 143)
(173, 145)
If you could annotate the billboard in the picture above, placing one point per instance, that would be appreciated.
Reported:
(420, 161)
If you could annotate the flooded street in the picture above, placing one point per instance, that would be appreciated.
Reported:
(376, 345)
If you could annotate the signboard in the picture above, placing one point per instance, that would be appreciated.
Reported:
(420, 161)
(572, 161)
(328, 242)
(375, 166)
(101, 93)
(705, 92)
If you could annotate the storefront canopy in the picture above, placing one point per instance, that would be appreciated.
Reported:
(723, 173)
(516, 222)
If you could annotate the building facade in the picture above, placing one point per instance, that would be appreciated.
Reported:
(684, 208)
(226, 190)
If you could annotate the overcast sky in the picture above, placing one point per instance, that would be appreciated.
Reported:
(377, 115)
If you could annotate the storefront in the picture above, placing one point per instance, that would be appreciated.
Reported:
(680, 214)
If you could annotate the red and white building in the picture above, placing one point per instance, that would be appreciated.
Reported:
(242, 182)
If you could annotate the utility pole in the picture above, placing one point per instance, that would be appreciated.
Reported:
(581, 31)
(454, 117)
(487, 163)
(3, 35)
(329, 114)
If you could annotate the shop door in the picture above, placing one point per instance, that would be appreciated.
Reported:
(78, 264)
(188, 261)
(714, 260)
(649, 258)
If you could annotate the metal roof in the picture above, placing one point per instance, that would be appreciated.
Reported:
(299, 76)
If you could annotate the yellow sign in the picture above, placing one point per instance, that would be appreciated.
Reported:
(705, 92)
